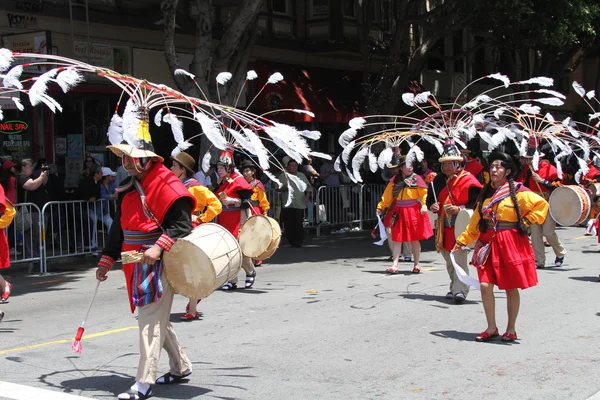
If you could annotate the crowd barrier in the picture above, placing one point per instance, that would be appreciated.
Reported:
(76, 228)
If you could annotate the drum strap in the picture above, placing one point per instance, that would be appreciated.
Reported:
(145, 206)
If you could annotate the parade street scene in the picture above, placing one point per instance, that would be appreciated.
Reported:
(264, 199)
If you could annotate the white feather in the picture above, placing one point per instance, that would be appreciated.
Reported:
(583, 167)
(346, 152)
(40, 86)
(298, 183)
(158, 117)
(289, 140)
(523, 147)
(594, 116)
(206, 162)
(578, 176)
(273, 178)
(578, 88)
(242, 140)
(503, 78)
(585, 146)
(176, 126)
(551, 92)
(357, 162)
(52, 104)
(350, 174)
(183, 146)
(211, 130)
(347, 136)
(551, 101)
(566, 121)
(540, 80)
(307, 112)
(549, 117)
(486, 137)
(385, 157)
(115, 129)
(357, 123)
(422, 97)
(591, 94)
(529, 109)
(130, 125)
(180, 71)
(259, 149)
(439, 146)
(1, 114)
(481, 99)
(499, 111)
(276, 77)
(223, 77)
(536, 160)
(68, 78)
(498, 139)
(559, 170)
(320, 155)
(372, 162)
(12, 79)
(408, 99)
(336, 164)
(6, 58)
(18, 103)
(251, 75)
(314, 135)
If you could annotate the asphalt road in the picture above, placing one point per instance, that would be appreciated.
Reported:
(322, 322)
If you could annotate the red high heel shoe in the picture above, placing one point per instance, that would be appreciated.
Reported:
(485, 336)
(6, 294)
(509, 337)
(189, 317)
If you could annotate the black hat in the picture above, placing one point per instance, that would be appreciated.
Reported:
(507, 161)
(247, 164)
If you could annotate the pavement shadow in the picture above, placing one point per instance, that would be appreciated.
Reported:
(591, 251)
(585, 278)
(176, 318)
(23, 285)
(384, 272)
(438, 299)
(468, 337)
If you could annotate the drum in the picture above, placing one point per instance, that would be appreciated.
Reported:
(260, 237)
(569, 205)
(462, 221)
(432, 218)
(203, 261)
(594, 189)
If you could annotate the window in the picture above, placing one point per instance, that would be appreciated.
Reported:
(458, 48)
(320, 8)
(435, 61)
(280, 6)
(348, 8)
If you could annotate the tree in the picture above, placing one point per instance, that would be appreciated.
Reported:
(403, 58)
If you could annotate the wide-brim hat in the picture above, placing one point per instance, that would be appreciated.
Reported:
(247, 164)
(123, 148)
(186, 161)
(451, 152)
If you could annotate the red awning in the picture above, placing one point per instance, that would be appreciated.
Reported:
(332, 95)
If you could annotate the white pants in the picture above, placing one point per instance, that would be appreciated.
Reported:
(591, 228)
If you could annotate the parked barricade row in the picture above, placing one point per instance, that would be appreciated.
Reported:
(24, 235)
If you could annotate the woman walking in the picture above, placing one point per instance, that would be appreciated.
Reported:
(503, 255)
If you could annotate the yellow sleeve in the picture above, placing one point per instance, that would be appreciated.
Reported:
(534, 208)
(206, 199)
(386, 197)
(261, 197)
(472, 232)
(8, 215)
(422, 195)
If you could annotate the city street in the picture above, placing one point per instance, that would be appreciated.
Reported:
(322, 322)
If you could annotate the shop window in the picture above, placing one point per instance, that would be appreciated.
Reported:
(435, 61)
(458, 48)
(281, 6)
(320, 8)
(479, 58)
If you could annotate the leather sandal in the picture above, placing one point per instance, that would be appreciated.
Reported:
(169, 378)
(187, 307)
(392, 270)
(135, 395)
(189, 317)
(509, 337)
(485, 336)
(250, 280)
(229, 286)
(416, 270)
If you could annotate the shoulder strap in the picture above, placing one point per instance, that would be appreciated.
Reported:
(145, 206)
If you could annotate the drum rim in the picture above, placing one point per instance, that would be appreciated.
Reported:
(579, 191)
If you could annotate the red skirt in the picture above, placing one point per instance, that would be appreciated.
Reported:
(410, 225)
(230, 220)
(511, 263)
(4, 250)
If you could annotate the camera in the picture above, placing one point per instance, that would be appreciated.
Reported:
(45, 168)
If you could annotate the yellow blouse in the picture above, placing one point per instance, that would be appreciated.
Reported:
(533, 211)
(260, 196)
(408, 193)
(205, 198)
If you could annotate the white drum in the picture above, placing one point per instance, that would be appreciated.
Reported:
(462, 221)
(594, 189)
(260, 237)
(569, 205)
(203, 261)
(432, 218)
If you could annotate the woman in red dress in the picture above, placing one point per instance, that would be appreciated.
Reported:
(503, 255)
(7, 214)
(406, 217)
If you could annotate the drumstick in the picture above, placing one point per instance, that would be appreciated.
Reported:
(131, 257)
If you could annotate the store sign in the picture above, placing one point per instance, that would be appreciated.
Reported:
(13, 127)
(116, 58)
(32, 42)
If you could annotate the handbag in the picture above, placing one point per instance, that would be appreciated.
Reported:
(23, 218)
(322, 213)
(481, 252)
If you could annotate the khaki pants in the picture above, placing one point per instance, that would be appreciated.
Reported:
(247, 265)
(156, 333)
(406, 246)
(548, 229)
(460, 257)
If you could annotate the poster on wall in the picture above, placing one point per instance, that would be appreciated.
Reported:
(116, 58)
(73, 168)
(16, 139)
(60, 146)
(75, 146)
(30, 42)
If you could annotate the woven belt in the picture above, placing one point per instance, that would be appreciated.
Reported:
(137, 237)
(502, 225)
(406, 203)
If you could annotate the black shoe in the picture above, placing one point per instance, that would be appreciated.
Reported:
(169, 378)
(559, 261)
(250, 280)
(459, 297)
(135, 395)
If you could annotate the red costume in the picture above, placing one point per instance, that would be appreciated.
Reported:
(546, 171)
(236, 187)
(473, 166)
(4, 250)
(161, 188)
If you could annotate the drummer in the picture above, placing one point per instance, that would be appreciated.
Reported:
(543, 182)
(406, 219)
(207, 208)
(260, 203)
(592, 224)
(454, 189)
(235, 193)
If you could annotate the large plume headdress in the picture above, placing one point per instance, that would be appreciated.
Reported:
(224, 125)
(441, 125)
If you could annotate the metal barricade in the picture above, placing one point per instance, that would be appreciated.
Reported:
(371, 194)
(339, 205)
(25, 235)
(75, 228)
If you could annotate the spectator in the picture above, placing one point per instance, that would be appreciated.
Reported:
(329, 176)
(96, 210)
(121, 173)
(31, 188)
(108, 185)
(208, 179)
(293, 214)
(309, 171)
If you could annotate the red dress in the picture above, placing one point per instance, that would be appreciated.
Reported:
(230, 217)
(4, 249)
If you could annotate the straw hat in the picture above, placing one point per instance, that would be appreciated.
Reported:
(451, 152)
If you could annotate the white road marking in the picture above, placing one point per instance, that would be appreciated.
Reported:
(21, 392)
(595, 396)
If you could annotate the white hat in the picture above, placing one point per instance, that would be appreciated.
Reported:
(108, 172)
